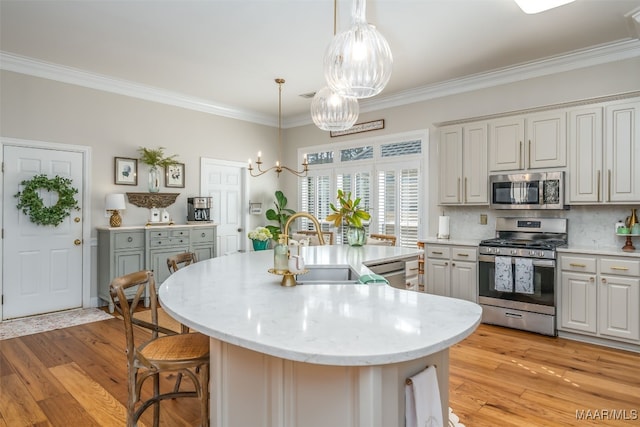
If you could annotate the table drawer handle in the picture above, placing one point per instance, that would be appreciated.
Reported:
(619, 268)
(573, 264)
(462, 254)
(129, 239)
(437, 253)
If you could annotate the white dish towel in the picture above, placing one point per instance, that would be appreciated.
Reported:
(422, 400)
(503, 281)
(524, 275)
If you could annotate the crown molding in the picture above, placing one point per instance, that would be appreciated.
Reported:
(47, 70)
(575, 60)
(612, 52)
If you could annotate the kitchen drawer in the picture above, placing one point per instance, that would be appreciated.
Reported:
(438, 252)
(183, 232)
(128, 240)
(173, 241)
(155, 234)
(620, 267)
(464, 254)
(578, 263)
(411, 268)
(201, 235)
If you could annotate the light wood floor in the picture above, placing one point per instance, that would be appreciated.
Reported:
(498, 377)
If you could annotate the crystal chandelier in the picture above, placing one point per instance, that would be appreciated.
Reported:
(358, 61)
(278, 167)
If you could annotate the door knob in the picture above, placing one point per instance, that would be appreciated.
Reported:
(76, 219)
(239, 230)
(77, 242)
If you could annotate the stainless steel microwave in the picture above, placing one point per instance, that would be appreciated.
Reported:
(542, 190)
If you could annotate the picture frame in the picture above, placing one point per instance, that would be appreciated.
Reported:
(174, 175)
(125, 171)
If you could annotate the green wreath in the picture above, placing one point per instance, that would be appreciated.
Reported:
(32, 204)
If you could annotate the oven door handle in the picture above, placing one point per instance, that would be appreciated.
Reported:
(536, 262)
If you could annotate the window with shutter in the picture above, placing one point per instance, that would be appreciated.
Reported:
(385, 175)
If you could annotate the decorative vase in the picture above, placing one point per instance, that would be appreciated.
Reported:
(355, 236)
(260, 245)
(154, 179)
(633, 219)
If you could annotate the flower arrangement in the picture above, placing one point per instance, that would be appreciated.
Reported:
(260, 233)
(348, 212)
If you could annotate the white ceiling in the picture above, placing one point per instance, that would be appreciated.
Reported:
(225, 54)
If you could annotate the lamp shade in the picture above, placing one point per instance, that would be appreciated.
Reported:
(332, 111)
(358, 61)
(114, 202)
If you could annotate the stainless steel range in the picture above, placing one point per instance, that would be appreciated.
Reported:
(517, 273)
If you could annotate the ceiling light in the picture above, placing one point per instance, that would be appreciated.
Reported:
(278, 167)
(332, 111)
(358, 61)
(536, 6)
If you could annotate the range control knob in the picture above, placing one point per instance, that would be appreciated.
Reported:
(541, 254)
(514, 252)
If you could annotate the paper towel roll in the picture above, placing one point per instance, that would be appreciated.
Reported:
(443, 227)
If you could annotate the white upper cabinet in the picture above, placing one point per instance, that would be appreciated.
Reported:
(533, 141)
(462, 151)
(622, 151)
(604, 153)
(585, 180)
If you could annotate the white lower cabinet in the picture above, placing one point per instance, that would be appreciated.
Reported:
(600, 296)
(452, 271)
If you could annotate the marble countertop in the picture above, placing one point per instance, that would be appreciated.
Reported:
(153, 227)
(234, 299)
(607, 250)
(458, 242)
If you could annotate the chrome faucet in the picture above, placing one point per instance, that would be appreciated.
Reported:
(302, 215)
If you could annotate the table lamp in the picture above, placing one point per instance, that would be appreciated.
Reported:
(115, 203)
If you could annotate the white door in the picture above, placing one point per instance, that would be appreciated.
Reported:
(225, 183)
(42, 265)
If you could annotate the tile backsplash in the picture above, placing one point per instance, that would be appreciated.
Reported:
(589, 226)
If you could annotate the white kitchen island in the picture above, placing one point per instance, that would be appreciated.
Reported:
(314, 355)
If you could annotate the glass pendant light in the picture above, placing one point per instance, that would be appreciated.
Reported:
(332, 111)
(358, 61)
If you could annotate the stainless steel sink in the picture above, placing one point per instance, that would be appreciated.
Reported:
(328, 274)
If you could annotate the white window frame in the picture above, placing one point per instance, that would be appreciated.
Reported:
(372, 166)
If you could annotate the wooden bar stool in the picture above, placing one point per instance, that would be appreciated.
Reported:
(186, 354)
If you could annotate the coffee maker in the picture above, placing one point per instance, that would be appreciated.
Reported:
(199, 209)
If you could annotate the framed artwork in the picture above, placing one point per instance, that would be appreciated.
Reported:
(126, 171)
(174, 175)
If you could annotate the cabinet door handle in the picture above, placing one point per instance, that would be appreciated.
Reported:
(599, 184)
(458, 190)
(604, 280)
(446, 263)
(591, 279)
(202, 235)
(619, 268)
(77, 242)
(609, 185)
(462, 254)
(573, 264)
(529, 156)
(130, 239)
(465, 189)
(520, 156)
(453, 264)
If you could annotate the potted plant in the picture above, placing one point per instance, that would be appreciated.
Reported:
(349, 213)
(155, 158)
(280, 214)
(260, 238)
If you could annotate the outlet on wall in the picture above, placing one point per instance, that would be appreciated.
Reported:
(483, 219)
